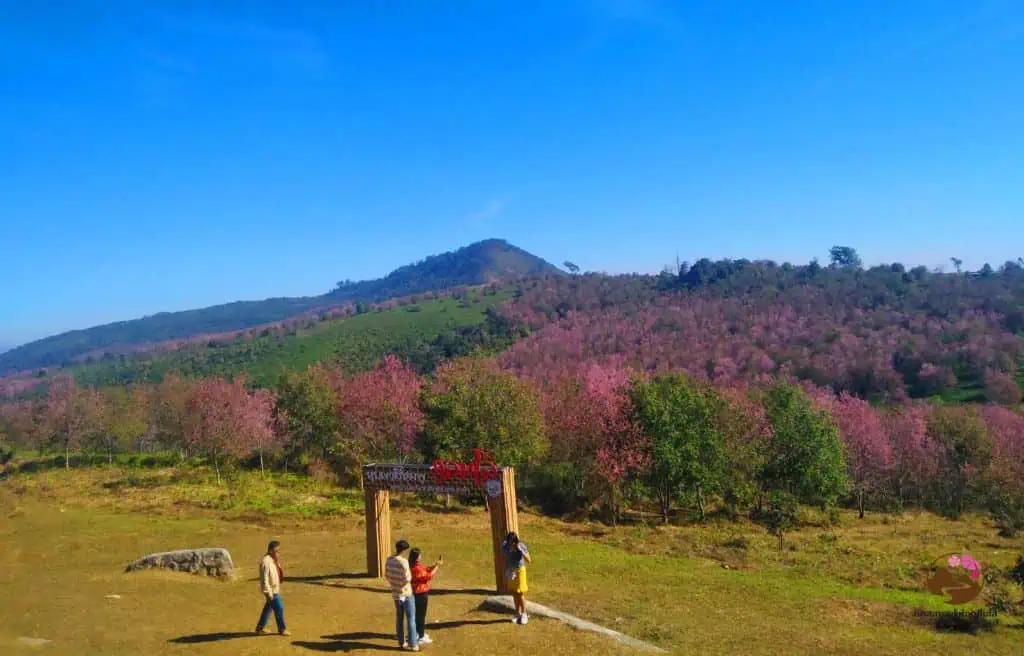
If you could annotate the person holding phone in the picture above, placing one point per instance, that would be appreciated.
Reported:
(421, 577)
(516, 558)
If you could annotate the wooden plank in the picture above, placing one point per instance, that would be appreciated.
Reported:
(378, 530)
(504, 519)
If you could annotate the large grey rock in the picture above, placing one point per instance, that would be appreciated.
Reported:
(209, 561)
(503, 604)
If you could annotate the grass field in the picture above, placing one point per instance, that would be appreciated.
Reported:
(719, 588)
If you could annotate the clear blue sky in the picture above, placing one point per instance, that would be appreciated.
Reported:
(170, 155)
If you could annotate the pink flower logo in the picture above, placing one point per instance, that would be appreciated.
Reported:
(960, 580)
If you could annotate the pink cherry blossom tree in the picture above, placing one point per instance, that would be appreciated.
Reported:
(380, 411)
(229, 422)
(72, 415)
(587, 413)
(914, 454)
(869, 454)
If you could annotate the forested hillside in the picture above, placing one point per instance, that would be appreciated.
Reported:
(423, 331)
(482, 262)
(884, 333)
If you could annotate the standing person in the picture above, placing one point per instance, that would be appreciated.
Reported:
(516, 558)
(397, 571)
(271, 574)
(421, 576)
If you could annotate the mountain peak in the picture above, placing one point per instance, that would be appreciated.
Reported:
(481, 262)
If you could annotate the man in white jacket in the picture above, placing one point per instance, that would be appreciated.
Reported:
(270, 585)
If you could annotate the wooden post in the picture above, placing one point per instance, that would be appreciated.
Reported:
(378, 530)
(504, 519)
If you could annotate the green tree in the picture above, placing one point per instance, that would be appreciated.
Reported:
(966, 452)
(804, 455)
(474, 405)
(845, 257)
(682, 420)
(124, 420)
(781, 515)
(307, 408)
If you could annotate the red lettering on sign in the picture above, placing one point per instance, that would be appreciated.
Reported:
(481, 470)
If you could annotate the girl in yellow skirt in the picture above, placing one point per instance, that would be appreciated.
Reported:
(516, 558)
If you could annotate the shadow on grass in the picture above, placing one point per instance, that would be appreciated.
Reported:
(359, 635)
(457, 624)
(212, 637)
(325, 580)
(344, 646)
(346, 642)
(365, 588)
(325, 577)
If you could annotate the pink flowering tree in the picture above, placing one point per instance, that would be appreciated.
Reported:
(379, 411)
(261, 424)
(1001, 388)
(587, 414)
(1006, 470)
(72, 415)
(915, 461)
(229, 422)
(869, 457)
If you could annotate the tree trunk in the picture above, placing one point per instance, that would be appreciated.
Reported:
(780, 540)
(262, 475)
(216, 467)
(67, 456)
(700, 502)
(860, 502)
(666, 506)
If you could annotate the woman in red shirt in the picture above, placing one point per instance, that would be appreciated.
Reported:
(421, 576)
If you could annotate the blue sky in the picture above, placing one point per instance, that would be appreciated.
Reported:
(170, 155)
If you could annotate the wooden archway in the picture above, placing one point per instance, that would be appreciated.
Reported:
(458, 479)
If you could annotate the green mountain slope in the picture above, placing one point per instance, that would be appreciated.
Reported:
(478, 263)
(356, 343)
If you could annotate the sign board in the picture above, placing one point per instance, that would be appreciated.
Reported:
(443, 477)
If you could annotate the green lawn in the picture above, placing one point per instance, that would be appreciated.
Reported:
(718, 588)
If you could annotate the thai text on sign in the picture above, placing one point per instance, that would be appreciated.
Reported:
(442, 477)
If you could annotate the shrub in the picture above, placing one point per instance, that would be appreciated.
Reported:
(322, 472)
(964, 622)
(556, 488)
(1017, 573)
(1009, 518)
(736, 542)
(781, 515)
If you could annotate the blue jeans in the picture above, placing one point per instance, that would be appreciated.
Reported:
(406, 609)
(278, 608)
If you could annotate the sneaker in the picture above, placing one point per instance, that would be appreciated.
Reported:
(517, 620)
(286, 632)
(526, 618)
(262, 631)
(413, 648)
(425, 639)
